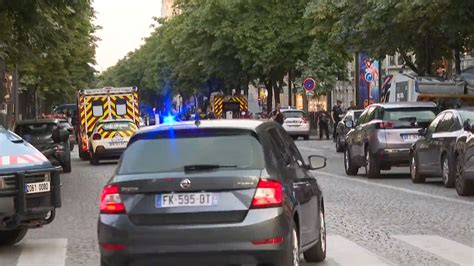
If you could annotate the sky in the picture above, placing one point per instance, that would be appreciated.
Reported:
(124, 25)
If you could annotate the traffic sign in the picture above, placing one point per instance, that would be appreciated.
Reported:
(309, 84)
(368, 77)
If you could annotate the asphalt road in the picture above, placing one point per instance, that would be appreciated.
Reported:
(387, 221)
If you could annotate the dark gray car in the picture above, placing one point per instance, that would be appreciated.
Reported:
(342, 129)
(433, 155)
(216, 191)
(384, 134)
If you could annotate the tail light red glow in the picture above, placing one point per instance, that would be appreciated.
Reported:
(110, 246)
(269, 193)
(270, 241)
(305, 120)
(110, 201)
(384, 125)
(96, 136)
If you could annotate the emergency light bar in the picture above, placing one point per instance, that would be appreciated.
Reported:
(108, 90)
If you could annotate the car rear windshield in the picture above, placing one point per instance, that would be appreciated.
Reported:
(116, 126)
(294, 114)
(170, 153)
(35, 129)
(410, 114)
(467, 115)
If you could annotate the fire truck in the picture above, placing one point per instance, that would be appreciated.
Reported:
(230, 106)
(104, 103)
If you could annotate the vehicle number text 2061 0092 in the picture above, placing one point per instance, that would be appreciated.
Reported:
(37, 187)
(185, 200)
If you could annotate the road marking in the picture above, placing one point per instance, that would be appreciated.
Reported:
(441, 247)
(43, 252)
(345, 252)
(414, 192)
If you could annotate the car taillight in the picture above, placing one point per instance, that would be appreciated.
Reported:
(384, 125)
(110, 201)
(305, 120)
(269, 193)
(96, 136)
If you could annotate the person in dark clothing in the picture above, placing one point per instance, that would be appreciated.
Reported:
(352, 106)
(278, 116)
(336, 117)
(323, 122)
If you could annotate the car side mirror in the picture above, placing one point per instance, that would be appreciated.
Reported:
(422, 131)
(60, 135)
(468, 126)
(349, 124)
(316, 162)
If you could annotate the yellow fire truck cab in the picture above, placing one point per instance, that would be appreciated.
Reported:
(104, 103)
(230, 106)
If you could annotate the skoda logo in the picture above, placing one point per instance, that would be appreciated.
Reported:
(185, 183)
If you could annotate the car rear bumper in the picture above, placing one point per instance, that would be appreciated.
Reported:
(102, 152)
(188, 244)
(395, 157)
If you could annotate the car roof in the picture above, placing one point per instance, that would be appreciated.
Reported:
(404, 105)
(291, 110)
(243, 124)
(40, 121)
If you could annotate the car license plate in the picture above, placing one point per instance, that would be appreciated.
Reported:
(185, 200)
(122, 143)
(39, 187)
(410, 137)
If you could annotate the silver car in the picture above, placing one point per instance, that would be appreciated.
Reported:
(384, 134)
(296, 123)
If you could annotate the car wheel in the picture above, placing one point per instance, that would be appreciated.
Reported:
(339, 146)
(348, 165)
(67, 166)
(447, 172)
(372, 167)
(11, 237)
(317, 253)
(294, 137)
(306, 137)
(94, 159)
(463, 187)
(415, 175)
(292, 253)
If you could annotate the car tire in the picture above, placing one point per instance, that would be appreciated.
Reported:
(339, 145)
(317, 253)
(448, 173)
(372, 167)
(292, 252)
(83, 155)
(348, 165)
(415, 175)
(294, 137)
(11, 237)
(94, 159)
(67, 168)
(463, 186)
(306, 137)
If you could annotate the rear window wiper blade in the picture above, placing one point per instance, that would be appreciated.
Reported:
(203, 167)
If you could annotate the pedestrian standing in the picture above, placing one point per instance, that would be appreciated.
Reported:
(336, 117)
(352, 106)
(323, 122)
(278, 116)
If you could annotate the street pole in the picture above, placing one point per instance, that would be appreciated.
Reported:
(289, 88)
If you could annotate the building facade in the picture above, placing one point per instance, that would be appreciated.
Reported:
(167, 9)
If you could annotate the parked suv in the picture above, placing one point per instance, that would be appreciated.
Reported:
(384, 134)
(39, 133)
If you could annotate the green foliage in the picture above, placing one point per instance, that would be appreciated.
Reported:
(429, 29)
(52, 44)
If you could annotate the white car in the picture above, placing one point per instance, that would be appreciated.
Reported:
(296, 123)
(110, 138)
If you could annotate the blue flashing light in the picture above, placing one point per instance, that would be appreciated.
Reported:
(169, 120)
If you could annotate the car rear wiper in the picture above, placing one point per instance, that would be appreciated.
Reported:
(17, 140)
(204, 167)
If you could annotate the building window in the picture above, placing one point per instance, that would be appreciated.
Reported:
(400, 60)
(391, 60)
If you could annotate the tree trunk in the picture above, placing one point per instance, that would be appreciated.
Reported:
(409, 62)
(289, 88)
(457, 60)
